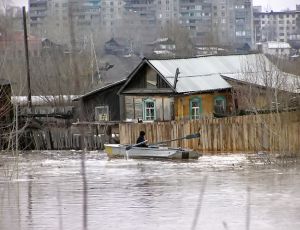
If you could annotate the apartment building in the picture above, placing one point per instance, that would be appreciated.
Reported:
(146, 13)
(167, 12)
(219, 22)
(112, 13)
(15, 18)
(196, 16)
(241, 22)
(52, 19)
(276, 26)
(37, 14)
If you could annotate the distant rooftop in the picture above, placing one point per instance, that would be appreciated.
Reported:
(278, 45)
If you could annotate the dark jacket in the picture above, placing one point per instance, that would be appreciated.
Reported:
(141, 139)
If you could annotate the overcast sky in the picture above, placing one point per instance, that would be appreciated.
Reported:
(275, 5)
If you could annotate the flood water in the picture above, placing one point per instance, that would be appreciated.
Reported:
(45, 190)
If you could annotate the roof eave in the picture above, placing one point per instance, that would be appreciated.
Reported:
(99, 90)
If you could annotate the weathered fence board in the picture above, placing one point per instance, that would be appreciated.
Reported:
(84, 136)
(267, 132)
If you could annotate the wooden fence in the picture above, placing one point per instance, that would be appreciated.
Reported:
(275, 133)
(90, 136)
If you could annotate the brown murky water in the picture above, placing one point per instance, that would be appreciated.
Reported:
(45, 191)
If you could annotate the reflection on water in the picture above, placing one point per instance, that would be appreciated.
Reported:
(138, 194)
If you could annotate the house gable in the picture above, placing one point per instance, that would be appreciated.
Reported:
(145, 79)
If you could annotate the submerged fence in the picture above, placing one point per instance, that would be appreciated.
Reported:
(90, 136)
(275, 133)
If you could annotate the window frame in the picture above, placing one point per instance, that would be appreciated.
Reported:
(199, 101)
(97, 114)
(145, 116)
(223, 99)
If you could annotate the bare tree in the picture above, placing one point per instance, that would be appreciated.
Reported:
(268, 90)
(181, 36)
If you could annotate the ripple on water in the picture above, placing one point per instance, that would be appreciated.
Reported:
(144, 194)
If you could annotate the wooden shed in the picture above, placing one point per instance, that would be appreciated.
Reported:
(103, 104)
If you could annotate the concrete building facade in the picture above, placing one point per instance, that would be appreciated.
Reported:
(276, 26)
(167, 12)
(52, 19)
(218, 22)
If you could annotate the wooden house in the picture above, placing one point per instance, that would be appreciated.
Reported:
(193, 88)
(101, 105)
(114, 48)
(164, 90)
(184, 89)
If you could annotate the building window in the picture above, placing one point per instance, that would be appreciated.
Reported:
(239, 6)
(149, 110)
(102, 113)
(220, 104)
(240, 33)
(195, 108)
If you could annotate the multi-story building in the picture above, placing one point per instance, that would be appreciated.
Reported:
(196, 16)
(145, 11)
(276, 26)
(220, 22)
(167, 12)
(61, 20)
(111, 15)
(15, 16)
(241, 22)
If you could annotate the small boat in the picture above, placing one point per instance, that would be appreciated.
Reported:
(153, 152)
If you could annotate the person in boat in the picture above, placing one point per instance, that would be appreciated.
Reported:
(141, 139)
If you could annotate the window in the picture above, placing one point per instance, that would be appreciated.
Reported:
(149, 110)
(102, 113)
(195, 108)
(240, 33)
(220, 104)
(240, 20)
(239, 6)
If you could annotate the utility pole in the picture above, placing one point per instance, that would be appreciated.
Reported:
(27, 58)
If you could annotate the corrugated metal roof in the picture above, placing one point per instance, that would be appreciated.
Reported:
(282, 81)
(199, 83)
(204, 73)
